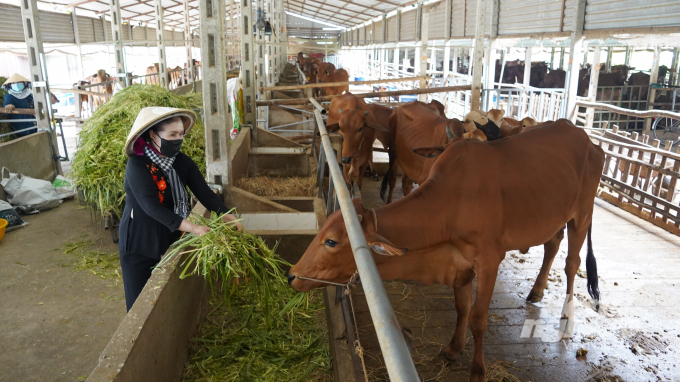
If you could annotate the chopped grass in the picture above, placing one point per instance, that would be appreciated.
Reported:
(101, 264)
(259, 328)
(99, 163)
(268, 187)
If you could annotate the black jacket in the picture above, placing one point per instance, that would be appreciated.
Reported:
(149, 224)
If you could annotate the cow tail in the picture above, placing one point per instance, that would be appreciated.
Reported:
(591, 268)
(386, 179)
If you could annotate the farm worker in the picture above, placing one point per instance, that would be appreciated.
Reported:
(19, 96)
(156, 201)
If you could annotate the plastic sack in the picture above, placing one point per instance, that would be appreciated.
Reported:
(8, 213)
(63, 187)
(26, 192)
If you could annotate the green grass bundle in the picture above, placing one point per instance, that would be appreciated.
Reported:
(99, 163)
(260, 329)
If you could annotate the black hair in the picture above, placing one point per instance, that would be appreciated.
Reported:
(160, 126)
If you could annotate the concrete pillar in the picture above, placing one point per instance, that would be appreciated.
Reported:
(592, 85)
(527, 66)
(433, 60)
(247, 73)
(477, 72)
(188, 44)
(575, 50)
(160, 43)
(447, 60)
(674, 67)
(34, 48)
(395, 60)
(216, 116)
(120, 75)
(489, 77)
(454, 59)
(79, 53)
(653, 78)
(562, 58)
(629, 53)
(423, 53)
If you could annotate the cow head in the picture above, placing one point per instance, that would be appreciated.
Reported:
(496, 115)
(329, 257)
(490, 129)
(476, 116)
(351, 125)
(528, 122)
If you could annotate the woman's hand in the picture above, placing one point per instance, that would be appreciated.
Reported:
(9, 108)
(231, 218)
(200, 230)
(190, 227)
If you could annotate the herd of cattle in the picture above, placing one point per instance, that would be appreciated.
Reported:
(102, 82)
(476, 200)
(544, 77)
(317, 71)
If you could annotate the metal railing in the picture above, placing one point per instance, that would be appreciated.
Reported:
(521, 102)
(640, 178)
(398, 361)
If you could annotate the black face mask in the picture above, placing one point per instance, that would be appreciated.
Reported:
(170, 148)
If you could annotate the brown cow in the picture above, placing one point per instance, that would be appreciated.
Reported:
(511, 126)
(328, 73)
(99, 77)
(405, 114)
(472, 221)
(642, 81)
(359, 124)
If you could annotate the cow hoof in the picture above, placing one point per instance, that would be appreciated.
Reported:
(449, 354)
(376, 177)
(534, 297)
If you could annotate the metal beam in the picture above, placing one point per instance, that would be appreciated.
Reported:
(423, 52)
(248, 69)
(477, 68)
(36, 61)
(188, 44)
(118, 46)
(653, 78)
(216, 116)
(527, 66)
(576, 44)
(592, 85)
(160, 43)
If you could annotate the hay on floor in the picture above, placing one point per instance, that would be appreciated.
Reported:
(268, 187)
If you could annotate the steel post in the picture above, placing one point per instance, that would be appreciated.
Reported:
(247, 73)
(188, 44)
(477, 68)
(118, 43)
(216, 116)
(160, 43)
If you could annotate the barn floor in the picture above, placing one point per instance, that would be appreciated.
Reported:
(634, 337)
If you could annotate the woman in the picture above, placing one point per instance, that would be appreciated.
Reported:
(19, 96)
(157, 203)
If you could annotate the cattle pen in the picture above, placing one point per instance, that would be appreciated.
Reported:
(314, 119)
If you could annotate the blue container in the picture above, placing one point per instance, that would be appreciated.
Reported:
(359, 79)
(408, 98)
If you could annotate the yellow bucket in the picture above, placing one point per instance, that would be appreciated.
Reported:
(3, 225)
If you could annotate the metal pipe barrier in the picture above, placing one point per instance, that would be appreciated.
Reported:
(398, 361)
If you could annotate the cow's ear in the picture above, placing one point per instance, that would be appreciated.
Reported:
(333, 127)
(376, 127)
(382, 246)
(430, 152)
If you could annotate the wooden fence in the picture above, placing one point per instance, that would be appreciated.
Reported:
(640, 178)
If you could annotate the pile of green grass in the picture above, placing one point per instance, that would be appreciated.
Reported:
(99, 163)
(259, 329)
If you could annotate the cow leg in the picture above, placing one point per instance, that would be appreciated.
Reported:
(406, 184)
(576, 236)
(549, 252)
(486, 281)
(463, 297)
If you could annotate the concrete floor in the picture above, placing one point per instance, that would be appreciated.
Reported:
(635, 336)
(54, 321)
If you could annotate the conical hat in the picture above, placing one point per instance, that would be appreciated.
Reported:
(16, 78)
(149, 116)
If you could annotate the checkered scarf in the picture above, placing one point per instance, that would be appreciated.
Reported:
(179, 192)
